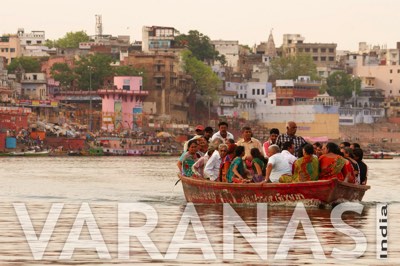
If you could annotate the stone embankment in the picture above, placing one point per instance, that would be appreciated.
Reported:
(375, 136)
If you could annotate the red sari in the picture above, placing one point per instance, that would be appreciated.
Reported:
(331, 167)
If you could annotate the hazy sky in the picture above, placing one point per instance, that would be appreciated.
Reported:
(345, 22)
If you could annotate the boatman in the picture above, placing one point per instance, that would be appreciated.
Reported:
(290, 135)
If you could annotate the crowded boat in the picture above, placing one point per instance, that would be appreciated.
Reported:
(282, 158)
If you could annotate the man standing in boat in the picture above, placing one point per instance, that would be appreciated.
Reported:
(248, 142)
(222, 133)
(290, 135)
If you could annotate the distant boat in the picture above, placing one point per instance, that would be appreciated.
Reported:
(30, 153)
(377, 156)
(325, 191)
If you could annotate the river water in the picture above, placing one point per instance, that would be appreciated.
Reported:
(55, 194)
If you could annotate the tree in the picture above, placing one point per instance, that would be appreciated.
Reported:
(292, 67)
(206, 82)
(63, 73)
(341, 85)
(127, 71)
(92, 70)
(26, 64)
(199, 44)
(70, 40)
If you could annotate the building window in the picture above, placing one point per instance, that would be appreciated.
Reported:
(391, 71)
(258, 91)
(307, 50)
(262, 92)
(254, 91)
(391, 81)
(331, 58)
(323, 50)
(398, 70)
(315, 58)
(331, 50)
(315, 50)
(323, 58)
(28, 42)
(39, 42)
(300, 50)
(12, 50)
(272, 101)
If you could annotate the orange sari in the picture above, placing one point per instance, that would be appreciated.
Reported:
(331, 167)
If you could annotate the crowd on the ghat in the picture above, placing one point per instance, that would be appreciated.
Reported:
(283, 158)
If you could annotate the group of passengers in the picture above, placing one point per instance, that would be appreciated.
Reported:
(284, 158)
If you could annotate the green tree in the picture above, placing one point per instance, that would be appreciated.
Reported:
(199, 44)
(50, 43)
(342, 85)
(26, 64)
(92, 70)
(206, 82)
(128, 71)
(292, 67)
(71, 40)
(64, 74)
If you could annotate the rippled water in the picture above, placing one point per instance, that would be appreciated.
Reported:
(105, 183)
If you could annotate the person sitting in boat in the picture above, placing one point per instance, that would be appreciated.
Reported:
(317, 149)
(203, 146)
(180, 161)
(237, 172)
(208, 133)
(333, 165)
(226, 162)
(344, 144)
(288, 152)
(349, 155)
(305, 168)
(277, 165)
(358, 156)
(258, 164)
(355, 145)
(190, 158)
(199, 133)
(213, 165)
(198, 167)
(248, 142)
(290, 135)
(222, 133)
(273, 136)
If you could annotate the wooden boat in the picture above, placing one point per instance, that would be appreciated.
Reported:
(324, 192)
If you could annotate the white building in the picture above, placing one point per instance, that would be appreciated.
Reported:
(36, 37)
(230, 49)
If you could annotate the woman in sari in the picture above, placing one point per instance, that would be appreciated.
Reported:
(333, 165)
(306, 168)
(258, 164)
(190, 158)
(226, 162)
(236, 172)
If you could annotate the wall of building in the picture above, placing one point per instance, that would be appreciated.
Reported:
(10, 47)
(387, 77)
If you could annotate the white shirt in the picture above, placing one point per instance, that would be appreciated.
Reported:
(280, 166)
(289, 157)
(211, 170)
(217, 135)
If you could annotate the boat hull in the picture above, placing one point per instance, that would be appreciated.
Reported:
(324, 192)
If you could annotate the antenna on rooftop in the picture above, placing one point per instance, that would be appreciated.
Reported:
(99, 27)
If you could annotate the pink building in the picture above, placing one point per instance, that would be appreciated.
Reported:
(122, 105)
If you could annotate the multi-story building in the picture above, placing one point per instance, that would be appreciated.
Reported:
(323, 54)
(156, 38)
(36, 37)
(290, 92)
(165, 82)
(34, 86)
(10, 47)
(122, 106)
(386, 77)
(230, 49)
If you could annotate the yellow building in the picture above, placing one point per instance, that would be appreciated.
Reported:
(10, 47)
